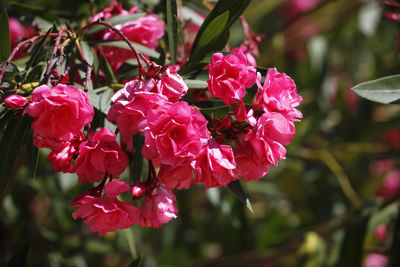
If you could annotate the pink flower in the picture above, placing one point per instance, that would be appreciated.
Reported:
(278, 95)
(158, 207)
(146, 31)
(381, 233)
(176, 134)
(139, 189)
(106, 214)
(215, 166)
(99, 157)
(59, 114)
(230, 75)
(263, 145)
(15, 101)
(180, 176)
(245, 51)
(390, 186)
(376, 260)
(292, 8)
(171, 84)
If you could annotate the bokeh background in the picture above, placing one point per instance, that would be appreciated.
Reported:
(319, 207)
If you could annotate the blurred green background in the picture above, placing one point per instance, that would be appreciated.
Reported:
(315, 209)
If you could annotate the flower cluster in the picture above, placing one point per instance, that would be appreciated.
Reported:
(183, 144)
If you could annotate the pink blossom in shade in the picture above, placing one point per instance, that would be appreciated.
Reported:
(381, 233)
(100, 156)
(390, 186)
(171, 84)
(240, 111)
(106, 213)
(17, 33)
(178, 177)
(146, 31)
(59, 114)
(379, 167)
(61, 160)
(176, 134)
(376, 260)
(278, 94)
(249, 165)
(215, 166)
(230, 75)
(15, 101)
(158, 207)
(292, 8)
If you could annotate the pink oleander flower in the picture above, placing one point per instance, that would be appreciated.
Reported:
(230, 75)
(381, 233)
(171, 84)
(175, 135)
(263, 145)
(100, 156)
(215, 166)
(245, 51)
(375, 260)
(59, 114)
(158, 207)
(15, 101)
(277, 95)
(180, 176)
(139, 189)
(292, 8)
(146, 31)
(106, 213)
(390, 186)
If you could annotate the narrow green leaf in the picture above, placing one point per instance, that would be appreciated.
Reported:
(88, 52)
(384, 90)
(351, 250)
(138, 141)
(181, 37)
(217, 112)
(4, 37)
(237, 189)
(196, 84)
(172, 28)
(19, 258)
(394, 255)
(214, 29)
(116, 21)
(101, 100)
(11, 141)
(107, 70)
(122, 44)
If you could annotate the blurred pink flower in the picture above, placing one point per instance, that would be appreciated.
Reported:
(17, 33)
(381, 233)
(375, 260)
(15, 101)
(390, 186)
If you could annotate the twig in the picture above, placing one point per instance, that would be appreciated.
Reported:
(62, 55)
(53, 53)
(135, 52)
(12, 55)
(89, 68)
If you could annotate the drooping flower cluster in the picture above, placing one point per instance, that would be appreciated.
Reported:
(183, 144)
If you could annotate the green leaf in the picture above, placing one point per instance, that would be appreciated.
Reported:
(122, 44)
(107, 70)
(214, 29)
(88, 52)
(394, 255)
(217, 112)
(237, 189)
(351, 250)
(101, 99)
(138, 141)
(135, 263)
(172, 28)
(196, 84)
(116, 21)
(384, 90)
(4, 37)
(235, 8)
(19, 258)
(12, 139)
